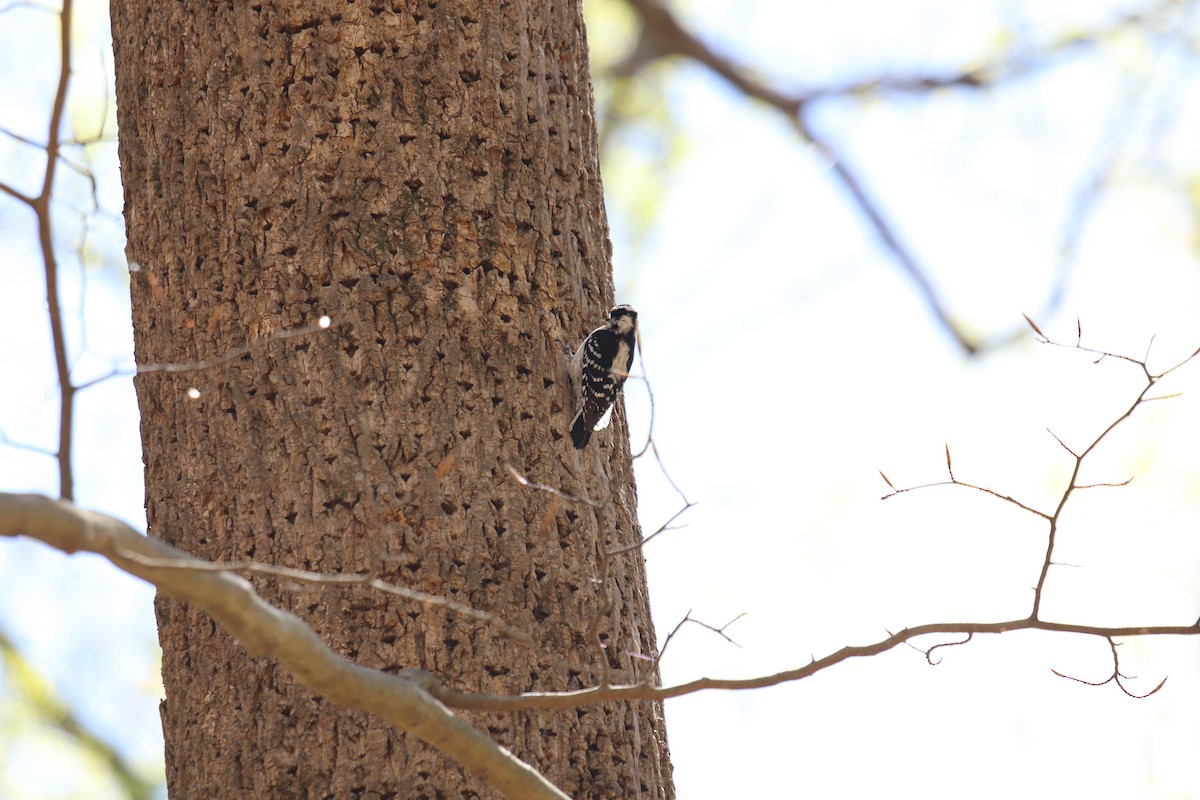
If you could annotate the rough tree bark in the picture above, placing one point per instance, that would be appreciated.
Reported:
(426, 174)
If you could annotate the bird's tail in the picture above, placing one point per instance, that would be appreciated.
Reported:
(581, 432)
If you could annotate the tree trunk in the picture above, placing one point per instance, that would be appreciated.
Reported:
(426, 175)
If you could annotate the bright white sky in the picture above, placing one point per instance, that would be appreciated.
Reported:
(791, 361)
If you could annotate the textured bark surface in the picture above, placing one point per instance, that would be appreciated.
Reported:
(426, 175)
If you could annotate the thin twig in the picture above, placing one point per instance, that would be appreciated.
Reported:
(327, 579)
(541, 487)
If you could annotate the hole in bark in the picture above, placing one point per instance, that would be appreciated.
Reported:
(447, 507)
(501, 530)
(414, 184)
(495, 671)
(406, 139)
(525, 415)
(497, 503)
(538, 574)
(496, 401)
(349, 283)
(571, 516)
(540, 614)
(524, 371)
(464, 435)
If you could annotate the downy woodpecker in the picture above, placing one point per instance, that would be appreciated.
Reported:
(598, 371)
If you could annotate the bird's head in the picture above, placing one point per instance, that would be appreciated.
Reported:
(623, 318)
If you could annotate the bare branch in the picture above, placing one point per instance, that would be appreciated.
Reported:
(8, 442)
(662, 651)
(662, 35)
(649, 394)
(666, 526)
(41, 207)
(1116, 677)
(602, 694)
(541, 487)
(322, 323)
(17, 195)
(721, 630)
(1072, 484)
(929, 653)
(965, 485)
(1061, 442)
(1036, 329)
(1125, 482)
(328, 579)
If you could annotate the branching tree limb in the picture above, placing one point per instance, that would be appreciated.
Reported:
(663, 35)
(40, 205)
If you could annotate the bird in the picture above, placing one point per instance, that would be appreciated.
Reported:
(598, 370)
